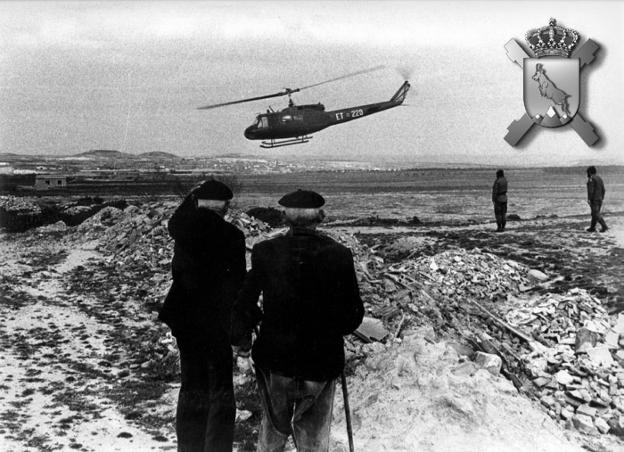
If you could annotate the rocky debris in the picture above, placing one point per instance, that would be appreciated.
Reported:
(59, 226)
(74, 215)
(576, 367)
(269, 215)
(103, 219)
(419, 394)
(533, 336)
(18, 214)
(15, 204)
(453, 291)
(437, 289)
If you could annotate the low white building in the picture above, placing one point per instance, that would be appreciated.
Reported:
(50, 181)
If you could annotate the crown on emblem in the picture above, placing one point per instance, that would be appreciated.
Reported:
(552, 40)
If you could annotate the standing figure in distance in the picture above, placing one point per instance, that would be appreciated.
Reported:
(595, 196)
(208, 269)
(499, 198)
(311, 300)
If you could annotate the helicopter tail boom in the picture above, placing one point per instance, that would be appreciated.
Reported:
(349, 114)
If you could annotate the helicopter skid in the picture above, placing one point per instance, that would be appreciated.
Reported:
(287, 142)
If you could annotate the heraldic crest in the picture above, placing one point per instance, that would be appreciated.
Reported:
(551, 81)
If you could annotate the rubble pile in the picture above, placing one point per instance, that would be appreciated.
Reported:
(577, 377)
(136, 242)
(431, 287)
(574, 374)
(14, 204)
(76, 214)
(18, 214)
(472, 274)
(421, 394)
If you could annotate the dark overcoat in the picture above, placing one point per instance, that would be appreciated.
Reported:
(595, 188)
(499, 190)
(208, 270)
(310, 301)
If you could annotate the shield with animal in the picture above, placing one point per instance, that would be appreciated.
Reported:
(551, 89)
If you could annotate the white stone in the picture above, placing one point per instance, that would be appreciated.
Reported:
(619, 324)
(563, 377)
(243, 415)
(489, 362)
(600, 356)
(602, 425)
(611, 339)
(537, 275)
(594, 326)
(537, 366)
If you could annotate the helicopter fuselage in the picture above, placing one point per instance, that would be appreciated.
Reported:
(300, 120)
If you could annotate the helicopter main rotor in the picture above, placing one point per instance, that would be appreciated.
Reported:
(289, 91)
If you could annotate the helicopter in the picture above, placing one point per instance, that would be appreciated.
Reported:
(294, 124)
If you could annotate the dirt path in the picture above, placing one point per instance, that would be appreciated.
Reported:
(55, 370)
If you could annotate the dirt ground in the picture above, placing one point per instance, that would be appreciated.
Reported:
(85, 366)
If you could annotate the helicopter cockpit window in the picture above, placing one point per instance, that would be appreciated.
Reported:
(262, 122)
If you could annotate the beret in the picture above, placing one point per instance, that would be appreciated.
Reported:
(213, 189)
(302, 199)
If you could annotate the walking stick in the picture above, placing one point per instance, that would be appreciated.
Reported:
(345, 396)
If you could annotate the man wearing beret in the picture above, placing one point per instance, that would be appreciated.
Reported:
(208, 271)
(310, 301)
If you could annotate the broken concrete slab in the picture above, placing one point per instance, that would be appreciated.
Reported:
(584, 424)
(585, 339)
(372, 329)
(586, 410)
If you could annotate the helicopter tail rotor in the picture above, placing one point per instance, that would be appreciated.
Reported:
(405, 70)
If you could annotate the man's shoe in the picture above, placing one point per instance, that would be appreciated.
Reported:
(605, 229)
(591, 229)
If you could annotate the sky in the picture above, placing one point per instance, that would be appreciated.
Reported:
(129, 76)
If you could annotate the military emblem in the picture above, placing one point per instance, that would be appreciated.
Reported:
(552, 89)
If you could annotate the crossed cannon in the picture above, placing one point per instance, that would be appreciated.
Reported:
(520, 127)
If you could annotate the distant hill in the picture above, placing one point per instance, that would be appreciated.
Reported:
(159, 155)
(106, 153)
(238, 155)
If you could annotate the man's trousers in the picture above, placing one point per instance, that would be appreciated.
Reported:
(500, 212)
(596, 216)
(206, 408)
(294, 406)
